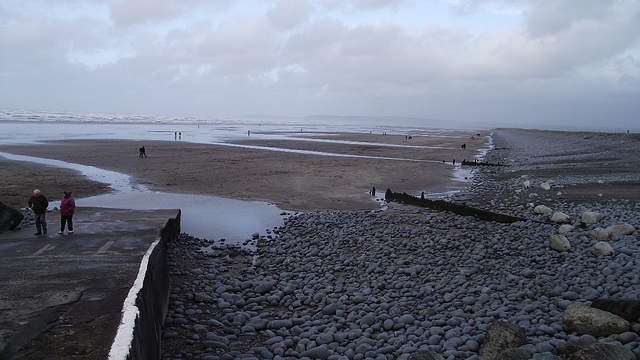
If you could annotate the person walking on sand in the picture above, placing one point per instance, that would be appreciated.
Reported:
(143, 152)
(39, 204)
(67, 208)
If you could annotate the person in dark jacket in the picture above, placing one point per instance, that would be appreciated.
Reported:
(39, 204)
(67, 209)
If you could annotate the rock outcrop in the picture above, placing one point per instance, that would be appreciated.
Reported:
(501, 336)
(584, 319)
(10, 218)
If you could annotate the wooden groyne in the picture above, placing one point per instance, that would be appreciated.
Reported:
(484, 163)
(455, 208)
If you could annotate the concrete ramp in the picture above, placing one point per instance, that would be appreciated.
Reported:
(62, 296)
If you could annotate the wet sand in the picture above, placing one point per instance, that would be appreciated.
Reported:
(292, 181)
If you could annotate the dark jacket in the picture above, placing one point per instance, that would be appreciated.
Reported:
(67, 204)
(38, 204)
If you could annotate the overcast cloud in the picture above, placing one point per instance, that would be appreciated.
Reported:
(528, 63)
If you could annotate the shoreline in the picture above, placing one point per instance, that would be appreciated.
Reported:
(293, 180)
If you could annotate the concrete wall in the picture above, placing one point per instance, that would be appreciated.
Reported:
(152, 300)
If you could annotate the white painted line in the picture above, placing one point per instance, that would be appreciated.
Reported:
(44, 248)
(104, 247)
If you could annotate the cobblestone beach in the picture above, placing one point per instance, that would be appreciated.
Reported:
(385, 284)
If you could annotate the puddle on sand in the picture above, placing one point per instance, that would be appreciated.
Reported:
(202, 216)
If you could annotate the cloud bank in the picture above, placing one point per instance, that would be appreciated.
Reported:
(527, 63)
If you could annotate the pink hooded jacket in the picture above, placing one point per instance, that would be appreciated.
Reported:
(68, 204)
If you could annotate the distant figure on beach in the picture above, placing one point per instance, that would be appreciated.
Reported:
(39, 204)
(373, 191)
(143, 152)
(67, 208)
(180, 135)
(175, 135)
(464, 146)
(248, 132)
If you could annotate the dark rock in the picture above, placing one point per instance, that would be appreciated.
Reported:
(425, 355)
(319, 352)
(263, 288)
(10, 218)
(514, 354)
(501, 336)
(626, 309)
(566, 349)
(601, 351)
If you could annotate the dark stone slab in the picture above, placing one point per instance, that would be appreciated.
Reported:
(10, 218)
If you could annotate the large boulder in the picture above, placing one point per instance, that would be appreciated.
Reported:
(626, 309)
(602, 248)
(600, 234)
(10, 218)
(514, 354)
(565, 229)
(501, 336)
(591, 217)
(559, 242)
(584, 319)
(621, 229)
(560, 217)
(542, 209)
(425, 355)
(600, 351)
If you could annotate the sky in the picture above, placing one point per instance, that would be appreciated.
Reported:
(521, 63)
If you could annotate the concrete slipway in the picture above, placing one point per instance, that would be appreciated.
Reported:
(96, 294)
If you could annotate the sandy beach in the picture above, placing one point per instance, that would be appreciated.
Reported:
(292, 181)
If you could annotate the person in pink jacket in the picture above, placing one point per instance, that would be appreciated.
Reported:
(67, 208)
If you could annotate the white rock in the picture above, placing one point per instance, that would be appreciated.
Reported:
(531, 205)
(591, 217)
(602, 248)
(527, 184)
(542, 209)
(545, 186)
(559, 242)
(560, 217)
(518, 191)
(559, 193)
(600, 234)
(532, 195)
(565, 229)
(623, 229)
